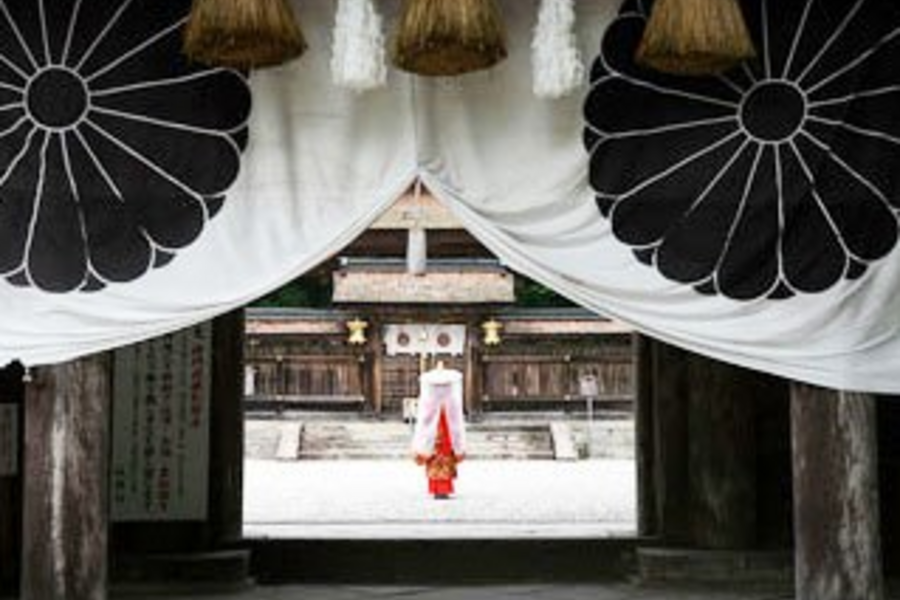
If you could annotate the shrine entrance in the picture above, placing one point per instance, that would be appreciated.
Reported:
(331, 387)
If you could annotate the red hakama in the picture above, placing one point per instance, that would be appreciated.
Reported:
(441, 466)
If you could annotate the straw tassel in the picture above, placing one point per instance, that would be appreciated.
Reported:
(556, 62)
(449, 37)
(242, 34)
(695, 37)
(358, 54)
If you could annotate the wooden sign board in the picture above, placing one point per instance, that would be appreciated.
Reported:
(160, 438)
(9, 440)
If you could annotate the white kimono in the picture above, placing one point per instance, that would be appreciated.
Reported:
(439, 388)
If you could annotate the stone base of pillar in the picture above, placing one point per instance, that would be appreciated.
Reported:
(735, 567)
(213, 572)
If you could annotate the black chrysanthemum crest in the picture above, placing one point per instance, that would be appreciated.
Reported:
(114, 151)
(779, 177)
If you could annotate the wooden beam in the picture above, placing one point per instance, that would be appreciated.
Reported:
(65, 516)
(836, 523)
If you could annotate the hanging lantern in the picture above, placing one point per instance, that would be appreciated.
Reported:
(555, 59)
(356, 331)
(449, 37)
(242, 34)
(491, 329)
(357, 58)
(695, 37)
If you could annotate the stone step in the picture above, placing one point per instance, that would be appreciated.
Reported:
(391, 440)
(398, 455)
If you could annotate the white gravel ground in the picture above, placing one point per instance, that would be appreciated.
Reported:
(388, 499)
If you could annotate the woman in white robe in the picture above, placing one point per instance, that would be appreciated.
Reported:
(439, 436)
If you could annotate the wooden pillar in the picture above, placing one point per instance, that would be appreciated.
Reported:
(472, 391)
(721, 454)
(11, 394)
(376, 366)
(836, 524)
(65, 516)
(670, 406)
(226, 468)
(644, 427)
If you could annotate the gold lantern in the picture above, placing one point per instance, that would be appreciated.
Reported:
(357, 332)
(491, 329)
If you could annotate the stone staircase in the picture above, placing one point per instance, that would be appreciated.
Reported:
(333, 440)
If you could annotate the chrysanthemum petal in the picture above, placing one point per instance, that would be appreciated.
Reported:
(214, 100)
(867, 227)
(18, 193)
(647, 214)
(813, 258)
(21, 39)
(57, 14)
(618, 165)
(13, 136)
(204, 163)
(171, 215)
(864, 26)
(10, 97)
(92, 21)
(57, 256)
(877, 113)
(877, 71)
(118, 248)
(143, 40)
(688, 257)
(872, 156)
(750, 267)
(660, 108)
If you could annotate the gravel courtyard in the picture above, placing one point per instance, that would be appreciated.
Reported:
(388, 499)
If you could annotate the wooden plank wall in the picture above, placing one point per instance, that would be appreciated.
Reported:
(522, 369)
(301, 367)
(550, 369)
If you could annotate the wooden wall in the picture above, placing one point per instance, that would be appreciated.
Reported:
(306, 368)
(714, 455)
(527, 370)
(523, 372)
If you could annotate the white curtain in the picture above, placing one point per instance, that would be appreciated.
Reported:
(322, 163)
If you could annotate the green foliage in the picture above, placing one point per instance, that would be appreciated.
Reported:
(303, 292)
(532, 294)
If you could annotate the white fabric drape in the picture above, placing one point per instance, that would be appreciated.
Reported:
(322, 163)
(513, 169)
